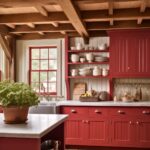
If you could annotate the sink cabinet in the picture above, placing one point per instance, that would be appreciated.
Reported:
(107, 126)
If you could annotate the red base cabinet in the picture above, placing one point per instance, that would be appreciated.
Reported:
(108, 126)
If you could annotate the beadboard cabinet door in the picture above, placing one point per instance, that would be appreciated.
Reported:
(130, 53)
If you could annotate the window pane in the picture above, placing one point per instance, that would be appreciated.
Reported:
(43, 77)
(52, 76)
(53, 53)
(35, 86)
(35, 64)
(52, 87)
(34, 77)
(35, 53)
(52, 64)
(44, 64)
(44, 53)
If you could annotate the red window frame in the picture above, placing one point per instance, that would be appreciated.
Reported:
(42, 70)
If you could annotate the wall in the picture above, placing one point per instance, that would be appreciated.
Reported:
(22, 60)
(2, 63)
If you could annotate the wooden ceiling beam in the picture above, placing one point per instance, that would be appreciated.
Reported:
(125, 14)
(73, 15)
(63, 32)
(31, 25)
(41, 33)
(4, 30)
(96, 26)
(55, 24)
(43, 28)
(143, 5)
(88, 16)
(139, 21)
(100, 1)
(41, 10)
(5, 47)
(34, 18)
(11, 26)
(110, 7)
(31, 36)
(27, 3)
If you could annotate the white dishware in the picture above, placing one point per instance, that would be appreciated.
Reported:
(96, 71)
(79, 46)
(74, 58)
(73, 48)
(89, 57)
(74, 72)
(102, 46)
(104, 72)
(82, 59)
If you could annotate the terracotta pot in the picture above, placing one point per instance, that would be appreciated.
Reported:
(15, 114)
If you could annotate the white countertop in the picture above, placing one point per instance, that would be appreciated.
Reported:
(36, 126)
(108, 103)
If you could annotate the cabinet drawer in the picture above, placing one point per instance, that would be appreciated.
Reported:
(98, 111)
(129, 111)
(75, 111)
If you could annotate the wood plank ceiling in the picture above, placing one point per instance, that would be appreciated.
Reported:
(41, 19)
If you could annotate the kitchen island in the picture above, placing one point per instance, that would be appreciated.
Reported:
(29, 136)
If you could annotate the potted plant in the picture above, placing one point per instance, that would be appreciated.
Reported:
(16, 98)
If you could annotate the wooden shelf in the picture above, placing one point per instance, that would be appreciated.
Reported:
(79, 63)
(87, 51)
(78, 77)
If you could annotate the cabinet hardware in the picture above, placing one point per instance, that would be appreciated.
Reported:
(130, 122)
(97, 111)
(146, 112)
(83, 121)
(73, 111)
(87, 121)
(121, 112)
(137, 123)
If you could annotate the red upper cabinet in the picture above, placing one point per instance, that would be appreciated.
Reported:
(130, 53)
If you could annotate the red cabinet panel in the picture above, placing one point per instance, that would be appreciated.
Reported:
(130, 53)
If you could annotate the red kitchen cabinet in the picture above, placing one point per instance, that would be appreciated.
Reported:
(130, 53)
(85, 129)
(108, 126)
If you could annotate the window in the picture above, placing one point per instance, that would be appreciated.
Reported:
(43, 69)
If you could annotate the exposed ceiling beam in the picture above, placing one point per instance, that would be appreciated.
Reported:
(41, 33)
(63, 32)
(143, 5)
(41, 10)
(21, 3)
(117, 25)
(74, 17)
(31, 25)
(139, 21)
(43, 28)
(5, 47)
(34, 18)
(4, 30)
(31, 36)
(11, 25)
(88, 16)
(55, 24)
(110, 7)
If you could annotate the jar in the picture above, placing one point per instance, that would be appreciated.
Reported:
(74, 58)
(74, 72)
(82, 59)
(96, 71)
(79, 46)
(104, 72)
(89, 57)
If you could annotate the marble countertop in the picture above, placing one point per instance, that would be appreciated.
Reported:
(36, 126)
(108, 103)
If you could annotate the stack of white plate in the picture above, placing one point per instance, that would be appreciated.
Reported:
(100, 58)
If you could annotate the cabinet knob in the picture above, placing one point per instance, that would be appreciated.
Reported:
(83, 121)
(121, 112)
(146, 112)
(73, 111)
(97, 111)
(128, 68)
(137, 122)
(130, 122)
(86, 121)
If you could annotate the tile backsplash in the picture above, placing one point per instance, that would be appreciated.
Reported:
(122, 86)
